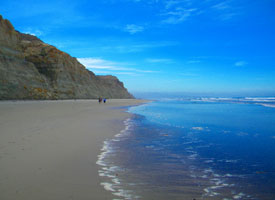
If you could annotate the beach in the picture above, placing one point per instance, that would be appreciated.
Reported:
(49, 149)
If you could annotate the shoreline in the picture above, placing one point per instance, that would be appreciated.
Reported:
(49, 149)
(109, 172)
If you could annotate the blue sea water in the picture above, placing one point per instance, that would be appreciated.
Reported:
(193, 149)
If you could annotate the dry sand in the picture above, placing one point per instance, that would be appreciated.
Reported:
(48, 149)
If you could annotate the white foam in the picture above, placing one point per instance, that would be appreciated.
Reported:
(197, 128)
(105, 174)
(208, 171)
(108, 186)
(116, 181)
(126, 194)
(108, 170)
(210, 193)
(114, 169)
(239, 196)
(231, 161)
(193, 156)
(216, 187)
(228, 175)
(214, 194)
(261, 99)
(206, 190)
(267, 105)
(218, 182)
(150, 146)
(104, 150)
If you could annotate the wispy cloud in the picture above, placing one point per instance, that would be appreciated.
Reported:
(171, 3)
(240, 63)
(189, 74)
(136, 47)
(228, 16)
(225, 10)
(221, 6)
(179, 11)
(102, 72)
(178, 15)
(133, 29)
(98, 65)
(158, 60)
(193, 61)
(30, 31)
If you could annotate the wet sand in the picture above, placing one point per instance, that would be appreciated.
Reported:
(49, 149)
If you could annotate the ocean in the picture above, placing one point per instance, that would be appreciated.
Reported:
(193, 148)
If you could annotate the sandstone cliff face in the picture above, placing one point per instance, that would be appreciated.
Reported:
(31, 69)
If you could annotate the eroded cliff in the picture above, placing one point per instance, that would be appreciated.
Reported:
(31, 69)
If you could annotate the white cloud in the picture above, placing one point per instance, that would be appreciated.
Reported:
(172, 3)
(240, 63)
(221, 6)
(91, 61)
(98, 65)
(133, 29)
(145, 71)
(226, 10)
(193, 61)
(102, 72)
(29, 33)
(158, 60)
(228, 16)
(36, 33)
(133, 48)
(178, 11)
(198, 128)
(178, 15)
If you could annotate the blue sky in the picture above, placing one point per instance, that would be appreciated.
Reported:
(180, 46)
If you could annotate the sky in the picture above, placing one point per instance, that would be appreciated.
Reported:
(211, 47)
